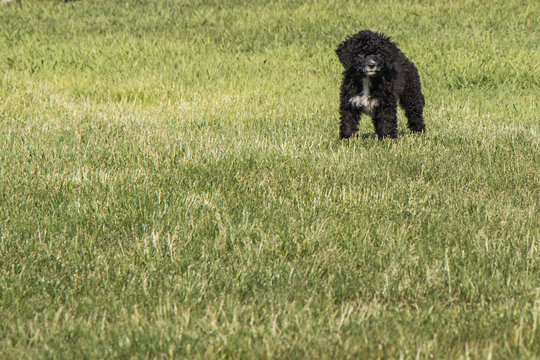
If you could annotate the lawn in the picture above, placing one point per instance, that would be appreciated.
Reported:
(172, 184)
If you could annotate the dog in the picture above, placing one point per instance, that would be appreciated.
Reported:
(377, 76)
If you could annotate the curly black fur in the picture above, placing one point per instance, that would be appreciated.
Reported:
(377, 75)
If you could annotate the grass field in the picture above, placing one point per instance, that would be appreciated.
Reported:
(172, 184)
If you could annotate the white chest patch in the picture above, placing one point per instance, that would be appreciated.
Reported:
(364, 100)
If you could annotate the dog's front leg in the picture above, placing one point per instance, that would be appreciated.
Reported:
(385, 121)
(349, 118)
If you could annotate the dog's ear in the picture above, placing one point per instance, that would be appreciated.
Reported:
(388, 59)
(345, 54)
(389, 66)
(389, 63)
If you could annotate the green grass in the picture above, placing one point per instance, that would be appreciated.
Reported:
(172, 184)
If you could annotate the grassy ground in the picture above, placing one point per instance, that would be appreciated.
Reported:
(172, 185)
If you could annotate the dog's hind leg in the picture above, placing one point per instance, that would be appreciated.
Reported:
(412, 102)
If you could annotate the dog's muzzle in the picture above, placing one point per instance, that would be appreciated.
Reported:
(371, 67)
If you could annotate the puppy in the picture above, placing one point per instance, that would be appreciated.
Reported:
(377, 76)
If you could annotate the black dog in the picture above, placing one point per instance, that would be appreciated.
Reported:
(377, 75)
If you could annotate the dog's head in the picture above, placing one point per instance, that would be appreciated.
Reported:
(367, 53)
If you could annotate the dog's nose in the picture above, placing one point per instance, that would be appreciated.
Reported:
(371, 63)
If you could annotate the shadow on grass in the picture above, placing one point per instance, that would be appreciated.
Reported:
(373, 135)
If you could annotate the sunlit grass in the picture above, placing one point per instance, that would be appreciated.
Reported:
(172, 184)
